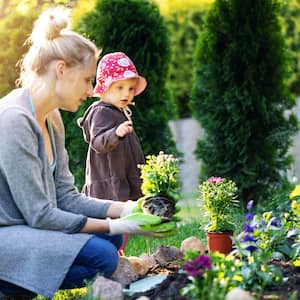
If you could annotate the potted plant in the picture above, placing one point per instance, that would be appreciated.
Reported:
(218, 198)
(160, 185)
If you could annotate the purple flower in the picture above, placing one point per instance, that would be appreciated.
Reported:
(276, 223)
(249, 217)
(249, 238)
(196, 267)
(213, 180)
(248, 228)
(250, 205)
(251, 248)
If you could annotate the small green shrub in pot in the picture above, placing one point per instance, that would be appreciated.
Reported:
(160, 185)
(219, 198)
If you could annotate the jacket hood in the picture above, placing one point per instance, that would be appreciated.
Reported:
(84, 121)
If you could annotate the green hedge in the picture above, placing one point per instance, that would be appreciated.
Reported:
(241, 96)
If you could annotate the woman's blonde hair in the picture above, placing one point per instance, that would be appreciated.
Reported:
(52, 39)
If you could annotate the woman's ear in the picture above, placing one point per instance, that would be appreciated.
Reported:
(60, 68)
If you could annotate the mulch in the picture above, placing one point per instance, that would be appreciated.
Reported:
(170, 288)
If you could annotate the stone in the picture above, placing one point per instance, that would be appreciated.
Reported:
(238, 294)
(107, 289)
(149, 260)
(165, 254)
(192, 243)
(138, 265)
(125, 273)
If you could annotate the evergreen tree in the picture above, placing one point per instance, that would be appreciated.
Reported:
(240, 96)
(136, 28)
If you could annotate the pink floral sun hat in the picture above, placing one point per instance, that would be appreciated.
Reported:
(114, 67)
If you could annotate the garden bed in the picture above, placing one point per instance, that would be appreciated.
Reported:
(169, 289)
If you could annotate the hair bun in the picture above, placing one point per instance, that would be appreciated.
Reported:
(50, 24)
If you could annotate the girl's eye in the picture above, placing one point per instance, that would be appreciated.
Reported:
(131, 89)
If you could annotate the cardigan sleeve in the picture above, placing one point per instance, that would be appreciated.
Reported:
(68, 197)
(22, 168)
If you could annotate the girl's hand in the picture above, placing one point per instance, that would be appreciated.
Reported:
(124, 129)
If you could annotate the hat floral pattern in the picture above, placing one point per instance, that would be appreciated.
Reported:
(114, 67)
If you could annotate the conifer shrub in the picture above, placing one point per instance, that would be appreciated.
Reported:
(241, 98)
(136, 28)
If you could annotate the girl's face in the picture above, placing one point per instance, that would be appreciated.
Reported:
(120, 93)
(75, 84)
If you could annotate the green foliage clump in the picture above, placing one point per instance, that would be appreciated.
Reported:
(241, 97)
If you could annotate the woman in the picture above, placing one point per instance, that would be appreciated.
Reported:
(51, 235)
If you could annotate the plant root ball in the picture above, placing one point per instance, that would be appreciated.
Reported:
(160, 205)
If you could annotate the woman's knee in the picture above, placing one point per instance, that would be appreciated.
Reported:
(100, 254)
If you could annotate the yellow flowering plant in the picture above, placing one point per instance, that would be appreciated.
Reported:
(295, 204)
(218, 197)
(160, 186)
(160, 175)
(295, 207)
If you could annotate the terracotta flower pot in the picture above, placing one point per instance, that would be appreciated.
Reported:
(221, 242)
(159, 205)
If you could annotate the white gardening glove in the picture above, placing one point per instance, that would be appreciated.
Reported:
(128, 208)
(119, 226)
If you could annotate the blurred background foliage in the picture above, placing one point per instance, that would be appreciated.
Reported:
(184, 25)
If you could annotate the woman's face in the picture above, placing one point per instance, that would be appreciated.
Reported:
(75, 84)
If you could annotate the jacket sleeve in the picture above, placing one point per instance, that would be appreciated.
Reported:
(103, 137)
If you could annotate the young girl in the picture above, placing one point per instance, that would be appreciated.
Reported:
(51, 235)
(114, 149)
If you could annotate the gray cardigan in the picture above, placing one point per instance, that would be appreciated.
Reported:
(41, 213)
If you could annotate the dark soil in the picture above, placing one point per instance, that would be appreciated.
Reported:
(169, 289)
(159, 205)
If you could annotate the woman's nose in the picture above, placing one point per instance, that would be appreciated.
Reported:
(90, 91)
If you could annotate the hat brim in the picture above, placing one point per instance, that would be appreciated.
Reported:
(140, 86)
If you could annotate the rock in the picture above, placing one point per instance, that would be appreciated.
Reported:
(125, 272)
(106, 289)
(149, 260)
(138, 265)
(165, 254)
(143, 298)
(192, 243)
(238, 294)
